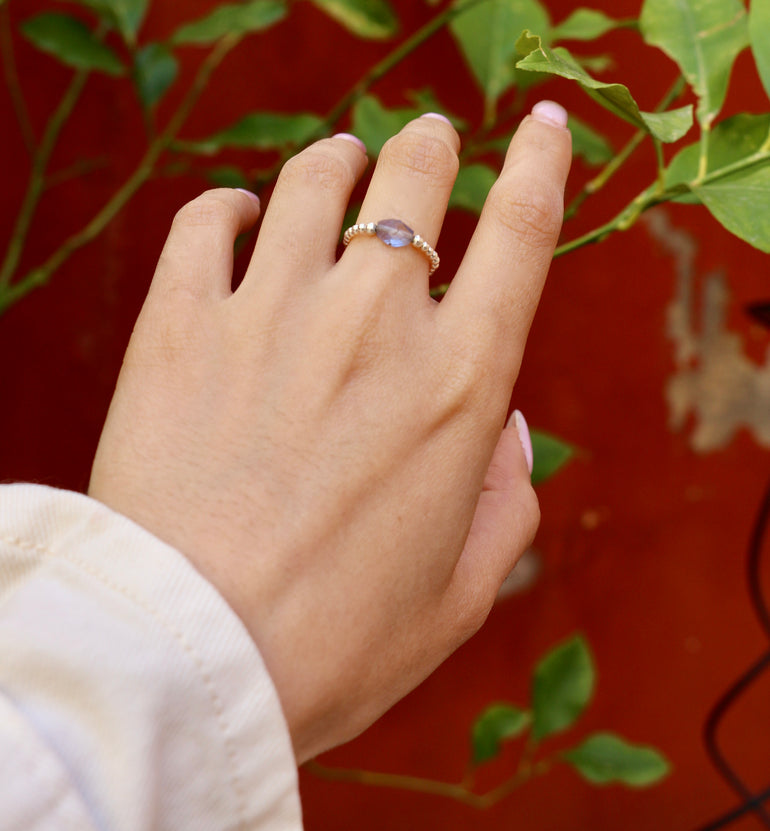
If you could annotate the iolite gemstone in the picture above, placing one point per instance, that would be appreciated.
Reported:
(394, 232)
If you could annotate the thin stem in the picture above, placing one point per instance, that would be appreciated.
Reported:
(653, 195)
(391, 780)
(12, 80)
(375, 74)
(704, 152)
(39, 276)
(598, 182)
(456, 791)
(37, 175)
(75, 171)
(623, 220)
(612, 167)
(379, 70)
(661, 163)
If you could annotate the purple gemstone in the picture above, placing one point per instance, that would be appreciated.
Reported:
(393, 232)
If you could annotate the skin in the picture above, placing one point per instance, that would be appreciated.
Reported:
(327, 444)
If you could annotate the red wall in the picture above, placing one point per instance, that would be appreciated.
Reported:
(642, 541)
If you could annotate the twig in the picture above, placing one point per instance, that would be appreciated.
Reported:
(42, 274)
(449, 790)
(37, 176)
(376, 73)
(653, 195)
(73, 171)
(599, 181)
(12, 80)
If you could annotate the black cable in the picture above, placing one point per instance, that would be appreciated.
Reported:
(736, 813)
(712, 723)
(751, 802)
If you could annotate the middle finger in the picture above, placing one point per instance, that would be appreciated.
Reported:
(412, 182)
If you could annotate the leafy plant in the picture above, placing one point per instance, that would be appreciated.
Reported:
(509, 47)
(562, 687)
(726, 169)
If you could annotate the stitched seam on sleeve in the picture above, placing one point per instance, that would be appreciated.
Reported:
(208, 683)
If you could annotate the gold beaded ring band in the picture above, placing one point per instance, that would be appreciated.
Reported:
(396, 234)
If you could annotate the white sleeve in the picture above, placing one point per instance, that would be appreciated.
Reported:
(131, 696)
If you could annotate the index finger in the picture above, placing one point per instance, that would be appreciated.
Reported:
(497, 287)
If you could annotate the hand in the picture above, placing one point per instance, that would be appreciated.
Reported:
(326, 443)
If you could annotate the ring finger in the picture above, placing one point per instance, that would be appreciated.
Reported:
(412, 182)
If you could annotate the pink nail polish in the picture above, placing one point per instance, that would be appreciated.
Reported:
(549, 112)
(437, 116)
(351, 138)
(526, 440)
(249, 194)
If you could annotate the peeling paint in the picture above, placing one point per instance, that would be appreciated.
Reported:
(715, 382)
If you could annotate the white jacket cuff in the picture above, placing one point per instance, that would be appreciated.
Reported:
(123, 663)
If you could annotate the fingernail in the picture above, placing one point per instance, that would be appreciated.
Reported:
(249, 194)
(437, 116)
(350, 137)
(526, 440)
(549, 112)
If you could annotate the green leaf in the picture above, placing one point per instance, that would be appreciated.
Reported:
(605, 758)
(731, 141)
(759, 36)
(227, 176)
(155, 70)
(596, 64)
(259, 131)
(375, 124)
(562, 686)
(471, 187)
(741, 200)
(550, 455)
(589, 144)
(487, 33)
(704, 38)
(126, 15)
(584, 24)
(72, 42)
(668, 126)
(371, 19)
(240, 19)
(496, 724)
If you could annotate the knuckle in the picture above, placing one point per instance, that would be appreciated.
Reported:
(210, 208)
(423, 156)
(533, 214)
(318, 167)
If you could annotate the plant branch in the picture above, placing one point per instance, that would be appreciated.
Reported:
(36, 185)
(653, 195)
(599, 181)
(42, 274)
(390, 61)
(12, 80)
(375, 74)
(449, 790)
(76, 170)
(704, 151)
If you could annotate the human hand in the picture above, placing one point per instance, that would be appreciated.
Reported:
(326, 443)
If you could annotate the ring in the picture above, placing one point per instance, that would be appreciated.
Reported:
(396, 234)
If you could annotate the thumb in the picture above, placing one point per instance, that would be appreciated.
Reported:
(504, 524)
